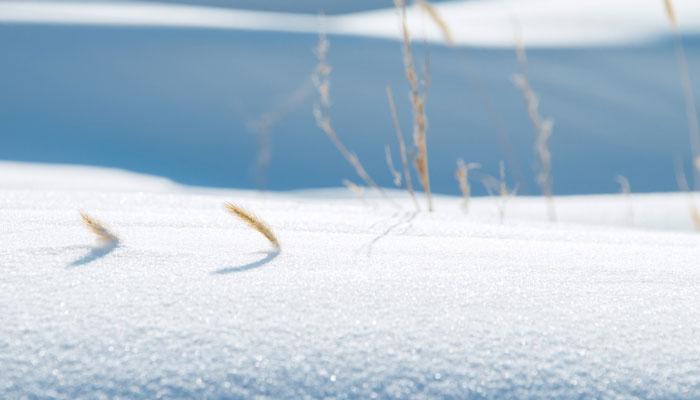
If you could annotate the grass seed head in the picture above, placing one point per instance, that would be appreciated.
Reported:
(103, 234)
(254, 222)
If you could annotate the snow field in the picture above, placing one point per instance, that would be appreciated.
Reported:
(192, 304)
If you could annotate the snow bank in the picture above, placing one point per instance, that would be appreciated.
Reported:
(151, 14)
(544, 23)
(364, 301)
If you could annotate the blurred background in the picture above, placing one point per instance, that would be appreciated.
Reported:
(192, 90)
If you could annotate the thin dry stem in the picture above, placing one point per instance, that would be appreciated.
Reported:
(395, 175)
(254, 222)
(266, 122)
(354, 188)
(497, 120)
(417, 105)
(688, 94)
(426, 79)
(503, 190)
(462, 176)
(543, 131)
(438, 20)
(543, 126)
(683, 185)
(626, 191)
(624, 183)
(520, 53)
(402, 147)
(103, 234)
(499, 187)
(505, 193)
(321, 111)
(671, 13)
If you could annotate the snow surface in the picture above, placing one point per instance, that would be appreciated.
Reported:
(364, 301)
(543, 23)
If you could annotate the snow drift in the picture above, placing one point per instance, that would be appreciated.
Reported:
(364, 300)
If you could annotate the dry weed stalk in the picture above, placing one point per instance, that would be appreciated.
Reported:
(496, 118)
(355, 189)
(543, 131)
(499, 187)
(626, 191)
(670, 12)
(543, 126)
(104, 236)
(263, 129)
(402, 147)
(254, 222)
(395, 175)
(503, 191)
(417, 106)
(438, 20)
(462, 176)
(688, 95)
(321, 80)
(520, 54)
(683, 185)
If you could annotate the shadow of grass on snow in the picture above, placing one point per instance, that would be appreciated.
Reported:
(94, 254)
(268, 257)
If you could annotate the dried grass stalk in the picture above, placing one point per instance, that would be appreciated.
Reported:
(355, 189)
(626, 191)
(520, 53)
(683, 185)
(671, 13)
(395, 175)
(417, 105)
(624, 183)
(462, 176)
(402, 147)
(321, 80)
(503, 191)
(543, 131)
(499, 187)
(103, 234)
(688, 94)
(267, 121)
(254, 222)
(695, 216)
(438, 20)
(543, 126)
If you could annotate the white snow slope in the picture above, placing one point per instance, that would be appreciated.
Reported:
(191, 304)
(542, 23)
